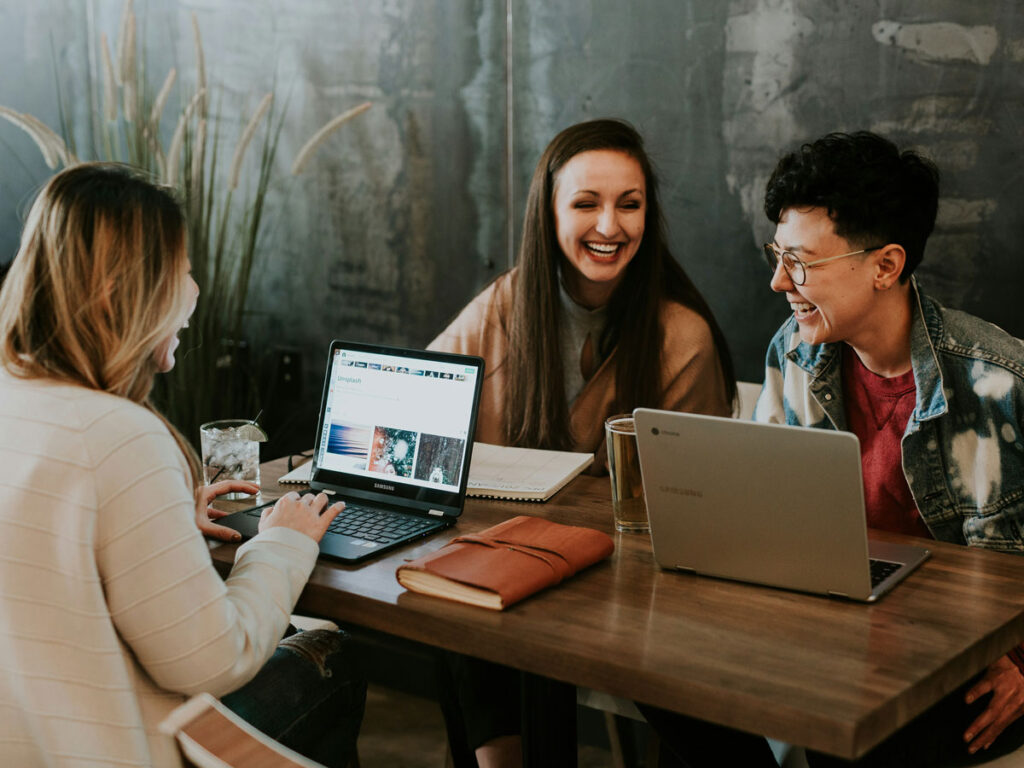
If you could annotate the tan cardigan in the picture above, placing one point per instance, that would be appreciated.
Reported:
(692, 378)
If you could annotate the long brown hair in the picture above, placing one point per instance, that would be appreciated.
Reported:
(536, 413)
(96, 284)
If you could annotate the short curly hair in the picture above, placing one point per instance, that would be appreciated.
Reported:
(874, 193)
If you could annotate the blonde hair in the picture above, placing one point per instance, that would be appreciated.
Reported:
(96, 285)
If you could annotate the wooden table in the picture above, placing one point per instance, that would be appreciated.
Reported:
(830, 675)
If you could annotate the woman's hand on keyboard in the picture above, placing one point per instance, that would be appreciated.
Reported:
(306, 514)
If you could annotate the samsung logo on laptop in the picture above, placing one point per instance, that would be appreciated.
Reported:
(384, 486)
(681, 491)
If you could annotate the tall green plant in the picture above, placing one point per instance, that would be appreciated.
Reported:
(224, 203)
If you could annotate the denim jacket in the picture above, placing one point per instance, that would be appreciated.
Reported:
(963, 448)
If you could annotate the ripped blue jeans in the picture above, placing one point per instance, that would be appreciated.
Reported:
(309, 696)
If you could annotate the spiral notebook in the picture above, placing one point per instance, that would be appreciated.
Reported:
(501, 472)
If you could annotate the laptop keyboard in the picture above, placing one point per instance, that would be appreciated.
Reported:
(380, 526)
(377, 525)
(881, 570)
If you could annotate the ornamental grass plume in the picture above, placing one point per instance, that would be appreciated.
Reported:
(200, 60)
(151, 131)
(170, 175)
(45, 148)
(161, 100)
(128, 71)
(127, 19)
(224, 203)
(243, 143)
(56, 144)
(318, 138)
(109, 83)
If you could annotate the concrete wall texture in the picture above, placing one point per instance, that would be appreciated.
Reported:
(408, 211)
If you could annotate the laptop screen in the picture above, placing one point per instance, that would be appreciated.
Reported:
(398, 422)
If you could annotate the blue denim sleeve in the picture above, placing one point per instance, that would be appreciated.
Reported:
(771, 406)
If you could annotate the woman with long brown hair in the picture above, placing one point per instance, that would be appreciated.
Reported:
(597, 318)
(111, 609)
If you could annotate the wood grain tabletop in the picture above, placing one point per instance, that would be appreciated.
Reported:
(827, 674)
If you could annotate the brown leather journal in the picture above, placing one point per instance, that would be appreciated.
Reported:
(505, 563)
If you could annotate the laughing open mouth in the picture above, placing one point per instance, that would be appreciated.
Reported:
(802, 309)
(603, 250)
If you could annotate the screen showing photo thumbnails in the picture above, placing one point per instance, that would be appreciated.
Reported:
(403, 419)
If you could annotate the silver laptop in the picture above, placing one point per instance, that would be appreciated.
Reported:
(763, 503)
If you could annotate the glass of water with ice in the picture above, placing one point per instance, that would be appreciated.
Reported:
(231, 451)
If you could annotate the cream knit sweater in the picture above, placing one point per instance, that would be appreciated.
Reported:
(110, 609)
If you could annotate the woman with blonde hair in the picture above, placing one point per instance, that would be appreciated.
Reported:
(111, 610)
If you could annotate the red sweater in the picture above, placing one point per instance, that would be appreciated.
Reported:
(877, 411)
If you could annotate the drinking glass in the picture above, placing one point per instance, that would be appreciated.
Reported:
(230, 453)
(624, 469)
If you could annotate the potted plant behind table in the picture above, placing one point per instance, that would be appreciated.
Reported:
(224, 204)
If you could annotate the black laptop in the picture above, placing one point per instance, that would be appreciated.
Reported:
(394, 442)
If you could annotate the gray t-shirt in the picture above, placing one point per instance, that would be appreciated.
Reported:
(576, 324)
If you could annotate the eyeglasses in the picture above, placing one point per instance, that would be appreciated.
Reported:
(796, 269)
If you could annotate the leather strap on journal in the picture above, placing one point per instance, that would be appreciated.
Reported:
(562, 570)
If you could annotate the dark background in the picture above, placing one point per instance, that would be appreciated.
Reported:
(407, 212)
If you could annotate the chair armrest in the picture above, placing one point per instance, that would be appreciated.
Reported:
(209, 735)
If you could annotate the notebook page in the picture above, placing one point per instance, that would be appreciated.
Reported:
(510, 471)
